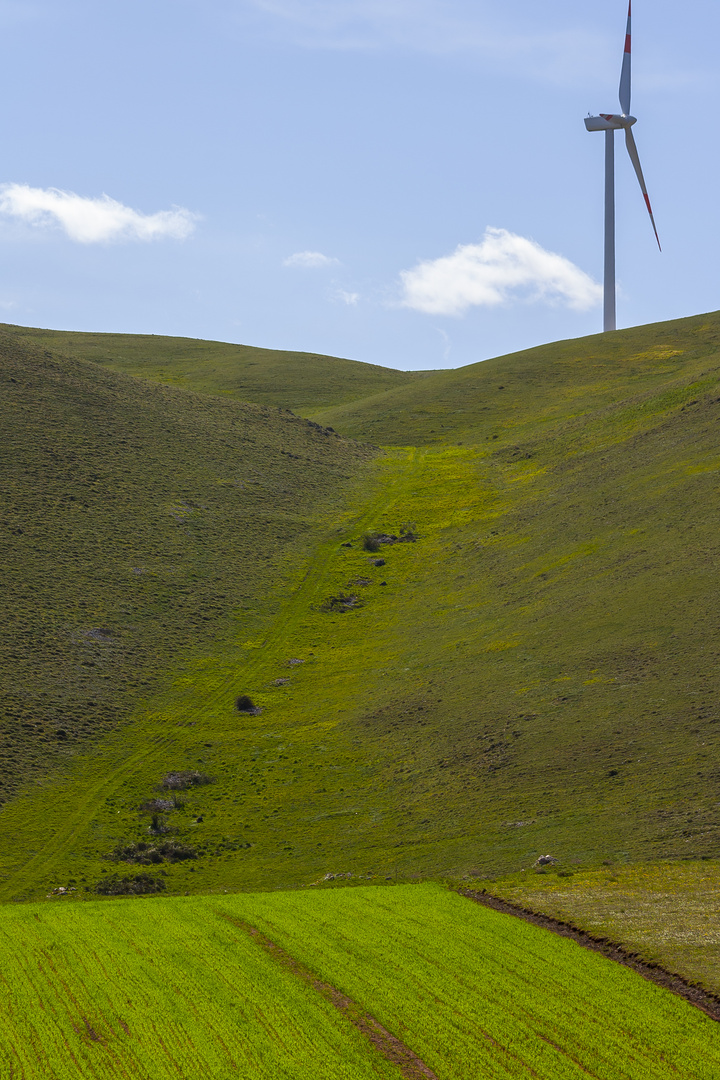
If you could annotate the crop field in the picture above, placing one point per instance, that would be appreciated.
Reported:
(669, 913)
(181, 987)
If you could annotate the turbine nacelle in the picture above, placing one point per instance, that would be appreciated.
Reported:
(609, 122)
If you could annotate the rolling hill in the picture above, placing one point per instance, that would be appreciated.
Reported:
(138, 523)
(303, 382)
(534, 671)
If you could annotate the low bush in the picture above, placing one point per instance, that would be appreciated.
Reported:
(245, 704)
(137, 885)
(371, 542)
(145, 854)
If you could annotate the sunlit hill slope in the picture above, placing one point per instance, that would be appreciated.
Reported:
(535, 670)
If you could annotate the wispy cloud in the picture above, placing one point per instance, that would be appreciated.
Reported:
(435, 26)
(348, 298)
(90, 220)
(502, 268)
(310, 260)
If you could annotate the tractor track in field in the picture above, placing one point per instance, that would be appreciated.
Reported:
(702, 999)
(309, 588)
(411, 1066)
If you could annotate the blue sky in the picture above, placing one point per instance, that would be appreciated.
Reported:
(321, 174)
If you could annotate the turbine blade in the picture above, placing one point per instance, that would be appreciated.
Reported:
(625, 74)
(635, 158)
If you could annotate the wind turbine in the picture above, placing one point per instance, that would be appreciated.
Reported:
(610, 123)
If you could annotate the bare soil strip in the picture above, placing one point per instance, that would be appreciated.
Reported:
(410, 1065)
(704, 1000)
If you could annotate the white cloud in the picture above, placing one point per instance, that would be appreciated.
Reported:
(349, 298)
(310, 260)
(91, 220)
(501, 268)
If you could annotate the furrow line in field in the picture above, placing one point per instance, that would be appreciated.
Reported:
(410, 1065)
(702, 999)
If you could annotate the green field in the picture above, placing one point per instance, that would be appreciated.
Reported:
(668, 912)
(177, 987)
(530, 667)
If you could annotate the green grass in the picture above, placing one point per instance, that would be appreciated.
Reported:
(666, 912)
(537, 674)
(176, 987)
(301, 381)
(138, 524)
(161, 990)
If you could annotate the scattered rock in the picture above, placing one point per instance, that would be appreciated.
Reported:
(341, 603)
(334, 877)
(179, 781)
(281, 682)
(546, 860)
(346, 545)
(378, 562)
(293, 662)
(155, 805)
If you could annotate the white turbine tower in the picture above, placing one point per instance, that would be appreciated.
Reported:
(610, 123)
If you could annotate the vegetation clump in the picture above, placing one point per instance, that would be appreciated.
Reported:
(373, 541)
(188, 778)
(143, 853)
(245, 704)
(133, 885)
(159, 805)
(341, 603)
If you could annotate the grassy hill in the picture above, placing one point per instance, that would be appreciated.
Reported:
(527, 393)
(537, 672)
(139, 524)
(300, 381)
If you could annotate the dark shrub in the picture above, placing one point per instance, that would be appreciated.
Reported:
(408, 534)
(245, 704)
(158, 825)
(341, 603)
(145, 854)
(138, 885)
(371, 542)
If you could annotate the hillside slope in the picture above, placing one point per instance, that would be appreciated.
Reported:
(303, 382)
(138, 523)
(530, 392)
(537, 672)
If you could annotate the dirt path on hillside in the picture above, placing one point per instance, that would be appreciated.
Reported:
(704, 1000)
(411, 1066)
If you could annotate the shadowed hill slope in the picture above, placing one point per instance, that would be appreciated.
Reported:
(137, 522)
(303, 382)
